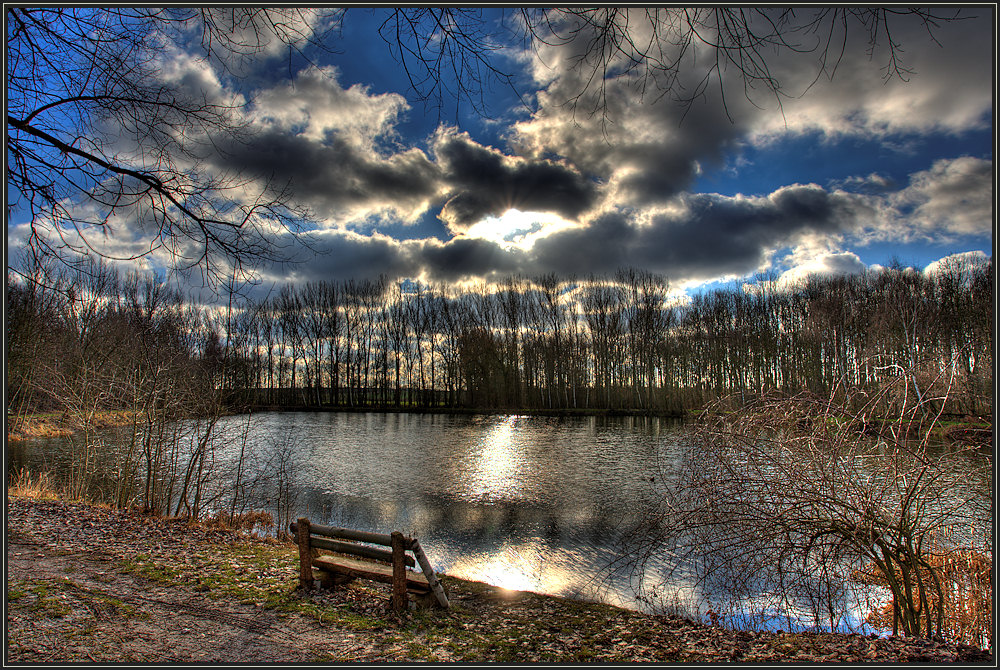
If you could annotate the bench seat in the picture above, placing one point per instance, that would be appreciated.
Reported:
(416, 582)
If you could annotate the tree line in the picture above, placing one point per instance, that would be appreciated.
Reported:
(612, 343)
(548, 343)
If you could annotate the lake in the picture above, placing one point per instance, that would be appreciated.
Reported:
(528, 503)
(522, 502)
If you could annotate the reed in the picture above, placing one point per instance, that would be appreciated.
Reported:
(36, 485)
(966, 577)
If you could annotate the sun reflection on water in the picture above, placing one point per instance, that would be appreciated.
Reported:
(496, 466)
(517, 567)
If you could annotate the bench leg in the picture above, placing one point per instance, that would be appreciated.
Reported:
(332, 579)
(400, 600)
(305, 555)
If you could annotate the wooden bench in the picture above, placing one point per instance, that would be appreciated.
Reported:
(379, 565)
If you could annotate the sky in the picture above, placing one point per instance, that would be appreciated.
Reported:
(854, 168)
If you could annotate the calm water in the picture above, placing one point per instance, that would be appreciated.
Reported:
(530, 503)
(527, 503)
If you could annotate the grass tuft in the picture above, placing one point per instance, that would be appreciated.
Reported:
(37, 486)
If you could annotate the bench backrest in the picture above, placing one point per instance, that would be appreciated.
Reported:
(319, 538)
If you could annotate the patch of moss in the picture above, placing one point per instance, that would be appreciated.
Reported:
(144, 566)
(15, 594)
(419, 651)
(46, 604)
(116, 607)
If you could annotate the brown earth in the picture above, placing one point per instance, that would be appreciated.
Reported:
(86, 584)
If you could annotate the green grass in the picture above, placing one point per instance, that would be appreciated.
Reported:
(38, 596)
(254, 574)
(42, 597)
(15, 593)
(144, 566)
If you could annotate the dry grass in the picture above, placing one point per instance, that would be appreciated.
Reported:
(37, 486)
(245, 521)
(37, 427)
(967, 582)
(56, 424)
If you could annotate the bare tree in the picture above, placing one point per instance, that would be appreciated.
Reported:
(96, 139)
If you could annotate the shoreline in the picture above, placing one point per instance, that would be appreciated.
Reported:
(45, 425)
(51, 425)
(91, 584)
(952, 429)
(392, 409)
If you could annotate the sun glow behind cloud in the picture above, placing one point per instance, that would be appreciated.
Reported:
(515, 229)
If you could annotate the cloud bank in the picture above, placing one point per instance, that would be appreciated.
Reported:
(611, 189)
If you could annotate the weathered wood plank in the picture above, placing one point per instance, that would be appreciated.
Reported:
(379, 572)
(351, 534)
(357, 550)
(429, 574)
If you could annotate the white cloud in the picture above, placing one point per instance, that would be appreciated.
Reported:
(960, 263)
(955, 196)
(315, 105)
(825, 265)
(946, 86)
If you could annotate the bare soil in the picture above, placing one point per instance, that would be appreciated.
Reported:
(86, 584)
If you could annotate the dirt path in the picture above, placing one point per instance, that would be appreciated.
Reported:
(105, 615)
(86, 584)
(72, 598)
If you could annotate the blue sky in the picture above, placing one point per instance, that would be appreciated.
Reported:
(849, 172)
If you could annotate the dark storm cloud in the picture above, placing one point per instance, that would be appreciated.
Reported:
(666, 149)
(338, 255)
(709, 236)
(646, 149)
(601, 247)
(485, 182)
(714, 235)
(337, 177)
(651, 154)
(464, 258)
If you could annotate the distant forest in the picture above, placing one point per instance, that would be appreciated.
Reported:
(87, 339)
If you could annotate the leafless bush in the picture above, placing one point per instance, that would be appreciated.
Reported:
(966, 599)
(779, 502)
(277, 478)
